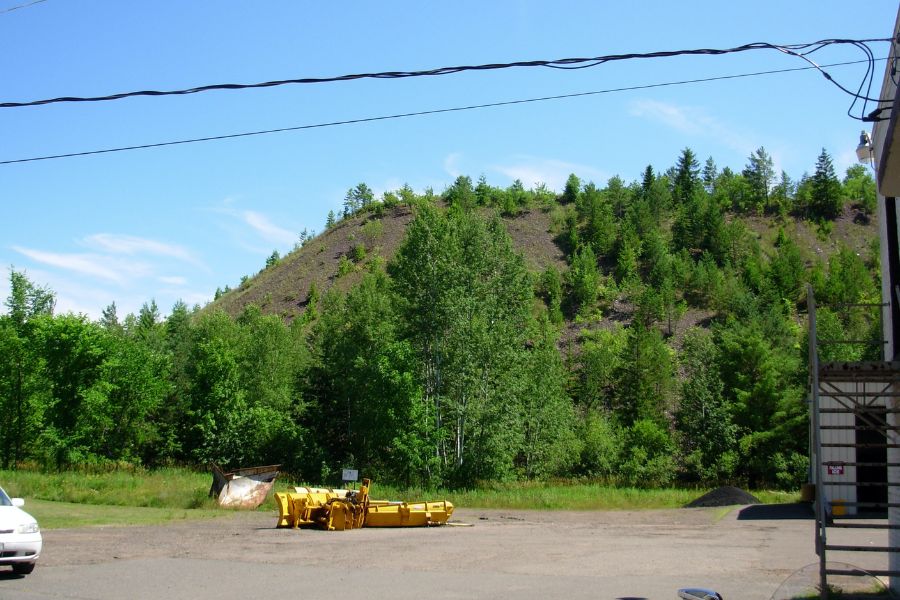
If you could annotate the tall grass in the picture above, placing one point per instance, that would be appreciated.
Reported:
(176, 488)
(162, 488)
(65, 515)
(558, 495)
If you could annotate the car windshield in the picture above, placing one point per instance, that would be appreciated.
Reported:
(4, 499)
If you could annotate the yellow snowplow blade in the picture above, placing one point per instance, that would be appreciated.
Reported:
(310, 506)
(408, 514)
(337, 509)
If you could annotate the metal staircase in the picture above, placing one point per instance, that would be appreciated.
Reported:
(855, 463)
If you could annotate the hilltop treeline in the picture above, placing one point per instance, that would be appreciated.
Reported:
(452, 364)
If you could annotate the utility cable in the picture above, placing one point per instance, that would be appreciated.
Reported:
(12, 8)
(797, 50)
(426, 112)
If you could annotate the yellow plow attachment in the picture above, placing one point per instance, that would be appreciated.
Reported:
(337, 509)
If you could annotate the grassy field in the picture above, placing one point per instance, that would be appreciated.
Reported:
(56, 515)
(139, 497)
(557, 496)
(162, 488)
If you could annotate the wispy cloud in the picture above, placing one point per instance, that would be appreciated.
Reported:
(844, 161)
(551, 172)
(75, 295)
(268, 230)
(131, 245)
(694, 121)
(173, 280)
(85, 264)
(260, 225)
(451, 164)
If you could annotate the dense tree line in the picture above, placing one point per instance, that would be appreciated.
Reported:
(448, 364)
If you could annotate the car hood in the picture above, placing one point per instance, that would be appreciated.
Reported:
(12, 516)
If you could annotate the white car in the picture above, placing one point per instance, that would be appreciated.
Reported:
(20, 536)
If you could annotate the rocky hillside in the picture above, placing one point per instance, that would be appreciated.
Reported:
(330, 260)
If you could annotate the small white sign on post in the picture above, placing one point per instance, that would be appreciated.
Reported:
(349, 475)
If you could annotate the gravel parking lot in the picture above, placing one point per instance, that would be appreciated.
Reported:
(744, 553)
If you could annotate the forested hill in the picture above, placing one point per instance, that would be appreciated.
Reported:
(370, 231)
(645, 333)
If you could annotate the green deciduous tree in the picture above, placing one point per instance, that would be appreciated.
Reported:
(859, 188)
(466, 297)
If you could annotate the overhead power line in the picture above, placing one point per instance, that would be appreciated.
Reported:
(426, 112)
(12, 8)
(798, 50)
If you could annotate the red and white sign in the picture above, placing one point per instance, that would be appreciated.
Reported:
(835, 469)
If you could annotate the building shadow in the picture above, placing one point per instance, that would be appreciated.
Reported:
(776, 512)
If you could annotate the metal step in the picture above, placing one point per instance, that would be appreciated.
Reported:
(837, 525)
(838, 463)
(849, 445)
(882, 549)
(872, 504)
(859, 410)
(863, 483)
(851, 304)
(880, 428)
(858, 572)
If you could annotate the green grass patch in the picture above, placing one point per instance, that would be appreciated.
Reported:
(123, 497)
(163, 488)
(557, 496)
(777, 497)
(58, 515)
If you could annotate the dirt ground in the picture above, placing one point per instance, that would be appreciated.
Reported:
(744, 553)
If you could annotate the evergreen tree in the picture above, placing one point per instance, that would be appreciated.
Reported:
(572, 189)
(759, 174)
(617, 195)
(597, 368)
(706, 431)
(782, 197)
(330, 221)
(826, 195)
(710, 174)
(600, 227)
(551, 285)
(687, 176)
(483, 192)
(461, 194)
(645, 378)
(358, 198)
(647, 180)
(584, 278)
(787, 271)
(148, 316)
(109, 318)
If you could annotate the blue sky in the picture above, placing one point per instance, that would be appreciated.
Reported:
(178, 222)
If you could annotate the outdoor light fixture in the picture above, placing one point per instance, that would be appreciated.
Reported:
(864, 152)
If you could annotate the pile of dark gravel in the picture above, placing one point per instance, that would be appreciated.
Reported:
(724, 496)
